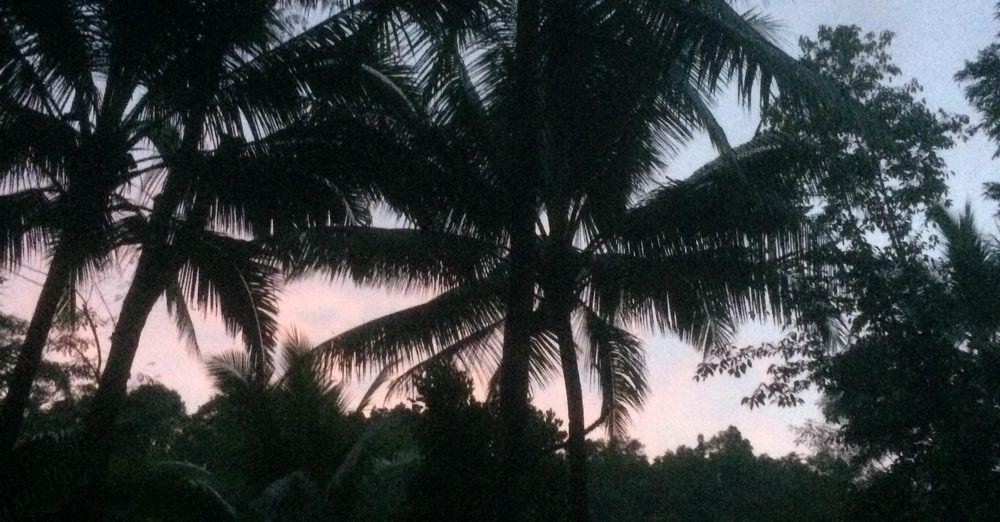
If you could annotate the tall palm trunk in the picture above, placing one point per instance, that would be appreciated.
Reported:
(154, 272)
(29, 360)
(514, 375)
(87, 209)
(576, 444)
(524, 133)
(152, 275)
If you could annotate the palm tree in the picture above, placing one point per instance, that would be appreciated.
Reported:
(971, 266)
(696, 257)
(270, 422)
(77, 161)
(240, 159)
(70, 147)
(570, 104)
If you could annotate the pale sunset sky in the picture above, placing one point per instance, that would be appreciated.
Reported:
(934, 38)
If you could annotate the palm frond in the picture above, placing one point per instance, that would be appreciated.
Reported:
(235, 372)
(23, 219)
(37, 149)
(721, 44)
(395, 258)
(700, 296)
(618, 363)
(302, 378)
(54, 40)
(287, 181)
(418, 332)
(178, 309)
(478, 353)
(760, 199)
(218, 39)
(233, 277)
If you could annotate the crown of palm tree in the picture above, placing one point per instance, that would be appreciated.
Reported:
(191, 80)
(297, 373)
(621, 86)
(185, 129)
(695, 257)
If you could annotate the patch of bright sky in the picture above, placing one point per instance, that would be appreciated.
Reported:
(934, 38)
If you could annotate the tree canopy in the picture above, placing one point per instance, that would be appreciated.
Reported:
(525, 151)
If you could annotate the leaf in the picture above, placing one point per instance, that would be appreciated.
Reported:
(177, 308)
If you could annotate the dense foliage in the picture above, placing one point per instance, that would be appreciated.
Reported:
(901, 339)
(432, 460)
(229, 146)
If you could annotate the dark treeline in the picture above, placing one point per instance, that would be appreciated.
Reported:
(277, 449)
(284, 446)
(224, 148)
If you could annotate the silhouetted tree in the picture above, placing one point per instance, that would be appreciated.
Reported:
(696, 258)
(916, 394)
(575, 111)
(144, 483)
(884, 336)
(459, 466)
(267, 423)
(70, 146)
(60, 378)
(718, 479)
(620, 481)
(267, 440)
(881, 178)
(982, 79)
(151, 421)
(722, 479)
(235, 130)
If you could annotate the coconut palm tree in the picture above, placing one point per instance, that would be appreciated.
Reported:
(240, 159)
(270, 422)
(70, 146)
(695, 257)
(549, 76)
(102, 98)
(574, 104)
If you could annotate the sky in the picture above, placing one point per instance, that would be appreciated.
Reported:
(933, 40)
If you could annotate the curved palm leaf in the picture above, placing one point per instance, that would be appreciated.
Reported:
(618, 363)
(237, 374)
(302, 376)
(396, 258)
(54, 39)
(478, 352)
(758, 200)
(417, 332)
(177, 307)
(233, 277)
(720, 44)
(698, 295)
(23, 220)
(35, 146)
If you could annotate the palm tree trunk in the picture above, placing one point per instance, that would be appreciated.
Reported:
(524, 133)
(514, 379)
(151, 277)
(154, 272)
(57, 282)
(576, 444)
